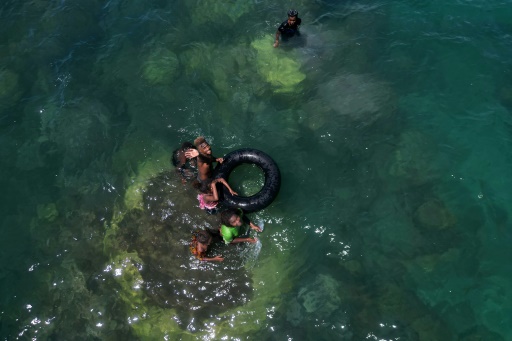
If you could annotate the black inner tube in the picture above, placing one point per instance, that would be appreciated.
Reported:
(270, 188)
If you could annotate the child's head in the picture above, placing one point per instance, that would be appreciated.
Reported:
(293, 13)
(202, 145)
(202, 186)
(179, 153)
(231, 217)
(204, 237)
(187, 145)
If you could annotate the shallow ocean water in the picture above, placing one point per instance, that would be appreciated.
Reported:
(391, 124)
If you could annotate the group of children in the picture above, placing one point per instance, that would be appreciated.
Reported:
(194, 162)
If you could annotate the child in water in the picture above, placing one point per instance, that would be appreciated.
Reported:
(231, 222)
(209, 197)
(205, 159)
(186, 167)
(199, 246)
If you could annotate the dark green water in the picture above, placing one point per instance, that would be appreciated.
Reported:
(391, 123)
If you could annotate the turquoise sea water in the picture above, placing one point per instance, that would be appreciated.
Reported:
(391, 123)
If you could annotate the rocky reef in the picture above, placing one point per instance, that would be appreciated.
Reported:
(277, 68)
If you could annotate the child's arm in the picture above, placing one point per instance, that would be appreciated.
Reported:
(244, 240)
(225, 183)
(215, 195)
(253, 226)
(228, 239)
(213, 259)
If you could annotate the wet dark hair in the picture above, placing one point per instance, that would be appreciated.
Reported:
(226, 215)
(203, 236)
(293, 13)
(174, 158)
(184, 146)
(202, 186)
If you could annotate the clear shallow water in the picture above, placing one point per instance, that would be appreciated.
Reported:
(391, 125)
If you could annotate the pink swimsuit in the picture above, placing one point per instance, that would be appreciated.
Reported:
(206, 204)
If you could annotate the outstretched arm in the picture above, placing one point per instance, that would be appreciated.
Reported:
(253, 226)
(214, 196)
(244, 240)
(225, 183)
(218, 258)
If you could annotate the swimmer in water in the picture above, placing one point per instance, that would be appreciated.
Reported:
(205, 160)
(230, 230)
(288, 28)
(185, 166)
(209, 197)
(199, 246)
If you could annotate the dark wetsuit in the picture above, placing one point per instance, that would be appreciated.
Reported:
(287, 30)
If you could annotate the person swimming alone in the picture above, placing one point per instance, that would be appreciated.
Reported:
(288, 28)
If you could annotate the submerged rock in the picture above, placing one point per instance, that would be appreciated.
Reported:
(321, 296)
(227, 71)
(167, 293)
(161, 67)
(159, 232)
(79, 130)
(432, 328)
(358, 97)
(353, 267)
(277, 68)
(294, 313)
(412, 159)
(433, 214)
(47, 211)
(402, 305)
